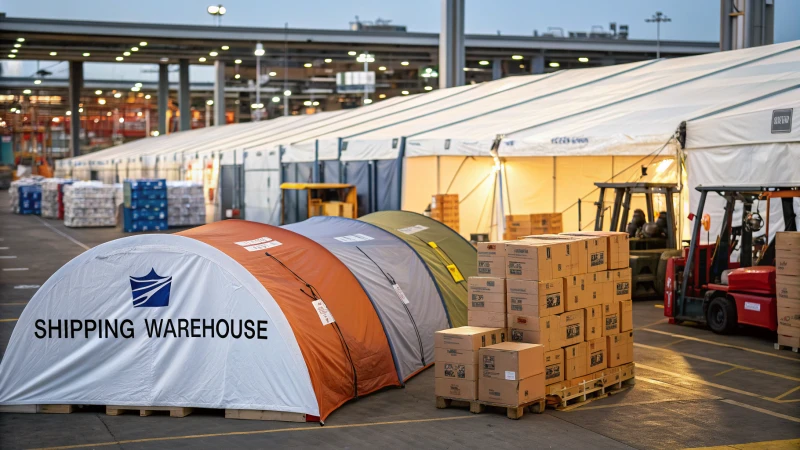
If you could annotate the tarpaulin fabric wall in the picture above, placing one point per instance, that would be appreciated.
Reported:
(451, 251)
(95, 368)
(395, 278)
(345, 359)
(295, 202)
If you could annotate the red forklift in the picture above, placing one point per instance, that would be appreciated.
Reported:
(704, 286)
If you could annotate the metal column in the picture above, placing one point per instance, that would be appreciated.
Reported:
(746, 23)
(219, 93)
(451, 44)
(537, 64)
(184, 97)
(163, 98)
(75, 85)
(497, 69)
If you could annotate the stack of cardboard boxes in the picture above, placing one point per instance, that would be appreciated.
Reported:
(444, 208)
(520, 225)
(787, 270)
(456, 355)
(332, 208)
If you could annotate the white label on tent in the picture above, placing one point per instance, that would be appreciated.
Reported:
(400, 294)
(322, 310)
(752, 306)
(255, 248)
(354, 238)
(412, 230)
(363, 237)
(260, 240)
(511, 375)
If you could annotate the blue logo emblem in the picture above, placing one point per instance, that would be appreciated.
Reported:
(151, 290)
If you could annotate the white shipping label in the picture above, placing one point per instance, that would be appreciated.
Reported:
(400, 293)
(412, 230)
(511, 375)
(364, 237)
(325, 316)
(354, 238)
(752, 306)
(260, 240)
(255, 248)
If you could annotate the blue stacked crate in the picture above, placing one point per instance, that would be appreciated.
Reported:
(30, 199)
(145, 205)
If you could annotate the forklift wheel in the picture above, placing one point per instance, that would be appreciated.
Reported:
(721, 315)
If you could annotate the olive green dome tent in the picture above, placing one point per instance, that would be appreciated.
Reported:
(450, 257)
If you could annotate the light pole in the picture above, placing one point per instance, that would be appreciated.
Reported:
(658, 17)
(217, 11)
(259, 53)
(366, 58)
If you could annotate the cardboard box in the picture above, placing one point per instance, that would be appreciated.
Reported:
(789, 341)
(625, 316)
(787, 266)
(554, 366)
(535, 330)
(486, 294)
(492, 266)
(574, 248)
(575, 292)
(611, 376)
(789, 313)
(511, 360)
(598, 287)
(617, 247)
(511, 393)
(611, 318)
(620, 349)
(622, 284)
(468, 338)
(593, 322)
(490, 249)
(575, 361)
(627, 371)
(457, 389)
(571, 328)
(534, 260)
(596, 354)
(554, 389)
(787, 242)
(788, 287)
(455, 355)
(488, 319)
(535, 298)
(455, 370)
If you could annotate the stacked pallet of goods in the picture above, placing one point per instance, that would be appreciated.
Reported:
(787, 268)
(521, 225)
(186, 204)
(89, 204)
(444, 208)
(25, 196)
(145, 205)
(53, 198)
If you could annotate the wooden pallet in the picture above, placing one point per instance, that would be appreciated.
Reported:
(174, 411)
(477, 406)
(787, 347)
(590, 391)
(38, 409)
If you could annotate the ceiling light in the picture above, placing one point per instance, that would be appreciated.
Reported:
(13, 50)
(17, 45)
(213, 9)
(328, 60)
(382, 68)
(143, 44)
(213, 53)
(56, 120)
(202, 59)
(382, 96)
(307, 103)
(164, 59)
(119, 58)
(365, 57)
(315, 103)
(225, 47)
(273, 74)
(209, 102)
(53, 53)
(147, 97)
(26, 91)
(516, 57)
(118, 95)
(237, 76)
(96, 120)
(307, 65)
(138, 84)
(276, 99)
(554, 64)
(154, 133)
(428, 88)
(367, 101)
(20, 39)
(69, 113)
(12, 56)
(259, 49)
(101, 101)
(287, 93)
(136, 89)
(126, 53)
(134, 49)
(522, 66)
(238, 61)
(351, 53)
(483, 63)
(404, 63)
(37, 81)
(583, 59)
(108, 114)
(87, 54)
(80, 110)
(12, 109)
(98, 92)
(121, 120)
(404, 92)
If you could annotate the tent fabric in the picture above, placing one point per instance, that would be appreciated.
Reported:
(383, 263)
(132, 369)
(452, 262)
(345, 359)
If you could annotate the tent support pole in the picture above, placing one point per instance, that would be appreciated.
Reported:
(501, 223)
(554, 184)
(401, 157)
(315, 167)
(438, 174)
(339, 160)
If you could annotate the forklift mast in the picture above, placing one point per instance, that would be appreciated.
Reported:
(622, 205)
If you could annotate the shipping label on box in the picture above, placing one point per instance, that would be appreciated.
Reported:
(490, 249)
(788, 287)
(489, 319)
(511, 393)
(533, 260)
(535, 330)
(622, 284)
(492, 266)
(571, 327)
(620, 349)
(455, 370)
(511, 360)
(535, 298)
(625, 316)
(611, 318)
(787, 266)
(575, 292)
(468, 338)
(455, 355)
(457, 389)
(487, 285)
(596, 354)
(593, 320)
(554, 366)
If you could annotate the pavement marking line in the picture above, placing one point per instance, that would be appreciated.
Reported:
(241, 433)
(673, 386)
(725, 371)
(763, 445)
(14, 269)
(79, 243)
(9, 320)
(707, 383)
(8, 257)
(27, 286)
(650, 324)
(673, 343)
(3, 248)
(761, 410)
(691, 338)
(658, 306)
(711, 360)
(14, 304)
(794, 389)
(648, 402)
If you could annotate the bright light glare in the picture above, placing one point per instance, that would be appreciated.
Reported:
(213, 53)
(307, 65)
(516, 57)
(119, 58)
(404, 63)
(276, 99)
(583, 59)
(37, 81)
(351, 53)
(428, 88)
(328, 60)
(404, 92)
(209, 102)
(287, 93)
(483, 63)
(273, 74)
(554, 64)
(126, 53)
(202, 59)
(238, 61)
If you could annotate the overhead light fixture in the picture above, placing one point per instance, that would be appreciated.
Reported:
(273, 74)
(17, 45)
(428, 88)
(87, 54)
(367, 101)
(382, 68)
(404, 92)
(276, 99)
(20, 39)
(554, 64)
(134, 49)
(154, 133)
(202, 59)
(147, 97)
(237, 61)
(404, 63)
(225, 47)
(118, 95)
(80, 110)
(96, 120)
(12, 56)
(121, 120)
(101, 101)
(237, 76)
(56, 120)
(126, 53)
(108, 114)
(12, 109)
(483, 63)
(213, 53)
(136, 89)
(98, 92)
(119, 58)
(351, 53)
(13, 50)
(143, 44)
(287, 93)
(307, 103)
(307, 65)
(522, 66)
(328, 60)
(164, 59)
(217, 10)
(366, 57)
(315, 103)
(37, 81)
(583, 59)
(53, 53)
(516, 57)
(26, 91)
(259, 51)
(209, 102)
(382, 96)
(139, 114)
(69, 113)
(138, 84)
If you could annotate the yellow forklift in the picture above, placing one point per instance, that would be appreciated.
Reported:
(320, 199)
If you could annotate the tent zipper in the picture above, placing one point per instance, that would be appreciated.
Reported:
(392, 283)
(314, 295)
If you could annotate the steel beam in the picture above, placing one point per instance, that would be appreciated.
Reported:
(163, 98)
(451, 44)
(75, 85)
(219, 93)
(184, 99)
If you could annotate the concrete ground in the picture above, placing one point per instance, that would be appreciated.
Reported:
(694, 389)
